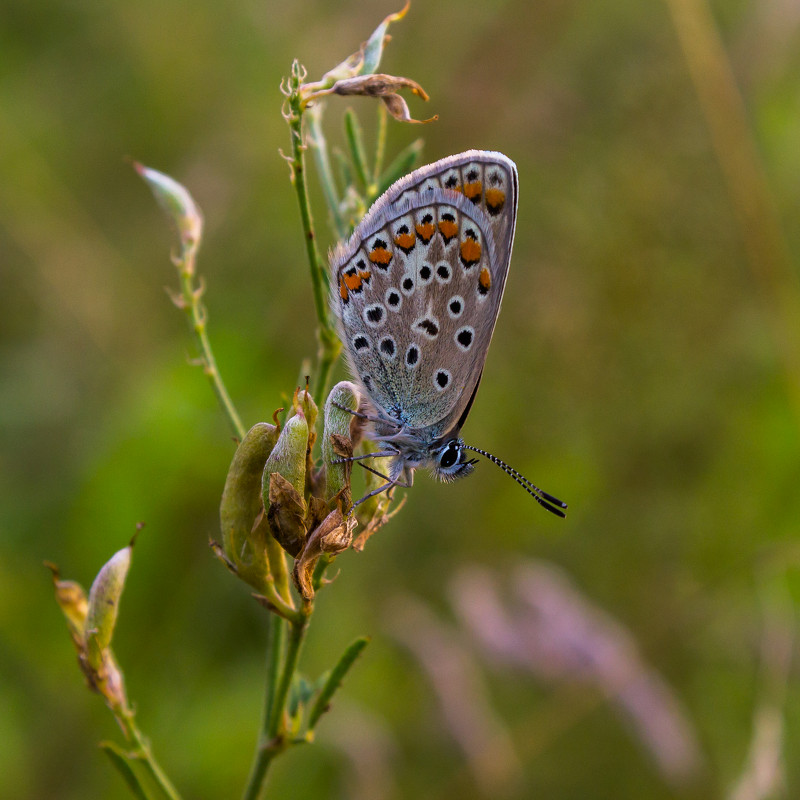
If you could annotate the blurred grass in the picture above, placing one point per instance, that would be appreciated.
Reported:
(634, 372)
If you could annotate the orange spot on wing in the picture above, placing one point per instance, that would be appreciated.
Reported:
(448, 228)
(472, 191)
(405, 241)
(380, 256)
(343, 292)
(352, 282)
(485, 280)
(495, 199)
(470, 251)
(425, 230)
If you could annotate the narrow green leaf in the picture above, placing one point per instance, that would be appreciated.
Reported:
(380, 142)
(355, 142)
(345, 171)
(402, 164)
(319, 147)
(334, 680)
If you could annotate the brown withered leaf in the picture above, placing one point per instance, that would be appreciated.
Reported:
(398, 108)
(332, 536)
(378, 520)
(317, 511)
(379, 85)
(286, 514)
(342, 445)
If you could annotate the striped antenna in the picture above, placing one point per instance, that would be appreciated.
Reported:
(552, 504)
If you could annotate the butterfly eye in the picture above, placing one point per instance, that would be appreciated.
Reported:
(449, 456)
(449, 462)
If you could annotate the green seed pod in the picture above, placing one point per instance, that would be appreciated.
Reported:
(337, 424)
(283, 485)
(241, 502)
(288, 456)
(103, 604)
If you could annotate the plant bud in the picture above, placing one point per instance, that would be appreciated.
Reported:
(288, 457)
(178, 204)
(103, 605)
(283, 485)
(304, 402)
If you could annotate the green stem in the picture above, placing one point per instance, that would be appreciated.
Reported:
(297, 632)
(267, 747)
(330, 346)
(196, 312)
(273, 739)
(143, 751)
(319, 278)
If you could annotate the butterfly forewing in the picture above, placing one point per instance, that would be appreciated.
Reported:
(418, 288)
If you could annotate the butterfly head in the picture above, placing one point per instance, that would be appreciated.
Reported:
(449, 461)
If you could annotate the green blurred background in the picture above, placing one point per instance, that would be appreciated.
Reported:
(641, 369)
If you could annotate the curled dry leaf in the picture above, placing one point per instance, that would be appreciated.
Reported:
(286, 513)
(332, 536)
(386, 87)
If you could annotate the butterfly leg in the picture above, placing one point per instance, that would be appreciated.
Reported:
(390, 484)
(379, 454)
(366, 417)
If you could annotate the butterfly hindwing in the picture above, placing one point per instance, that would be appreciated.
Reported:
(418, 287)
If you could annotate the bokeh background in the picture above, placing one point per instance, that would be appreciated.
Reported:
(644, 368)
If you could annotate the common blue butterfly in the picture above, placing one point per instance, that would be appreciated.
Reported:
(417, 290)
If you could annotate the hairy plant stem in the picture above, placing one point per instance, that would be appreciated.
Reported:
(190, 302)
(329, 345)
(128, 724)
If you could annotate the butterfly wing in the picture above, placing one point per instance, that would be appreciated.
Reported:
(418, 287)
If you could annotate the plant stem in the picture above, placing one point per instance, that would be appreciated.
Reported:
(128, 723)
(297, 632)
(329, 343)
(273, 740)
(266, 749)
(196, 312)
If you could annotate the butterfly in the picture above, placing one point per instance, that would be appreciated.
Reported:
(417, 291)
